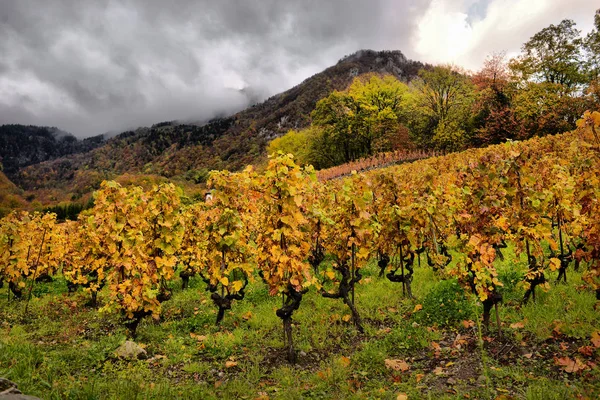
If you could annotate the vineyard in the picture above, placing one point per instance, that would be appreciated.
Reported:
(380, 160)
(470, 275)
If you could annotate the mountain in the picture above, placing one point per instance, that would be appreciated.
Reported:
(10, 196)
(189, 151)
(22, 145)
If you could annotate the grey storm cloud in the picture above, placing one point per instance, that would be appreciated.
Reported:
(91, 66)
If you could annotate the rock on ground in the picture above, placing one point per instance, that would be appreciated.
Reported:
(9, 391)
(130, 351)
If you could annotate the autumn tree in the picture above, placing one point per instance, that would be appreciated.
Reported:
(85, 261)
(554, 56)
(141, 233)
(283, 237)
(542, 108)
(529, 205)
(303, 145)
(362, 120)
(348, 233)
(495, 119)
(592, 48)
(31, 245)
(223, 241)
(440, 108)
(589, 128)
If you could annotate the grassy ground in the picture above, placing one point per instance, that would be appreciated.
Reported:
(61, 349)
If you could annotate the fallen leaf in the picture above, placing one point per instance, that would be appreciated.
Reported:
(438, 371)
(468, 324)
(419, 377)
(199, 338)
(517, 325)
(564, 346)
(345, 361)
(528, 355)
(586, 351)
(418, 307)
(569, 365)
(392, 309)
(596, 339)
(324, 375)
(458, 342)
(247, 315)
(230, 364)
(346, 317)
(556, 329)
(352, 383)
(402, 396)
(397, 365)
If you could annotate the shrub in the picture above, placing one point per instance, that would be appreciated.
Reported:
(446, 305)
(510, 279)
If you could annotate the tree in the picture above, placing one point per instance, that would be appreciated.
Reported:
(283, 237)
(494, 74)
(31, 245)
(362, 120)
(223, 239)
(399, 225)
(87, 258)
(347, 234)
(553, 55)
(441, 106)
(592, 47)
(139, 234)
(542, 109)
(299, 143)
(495, 119)
(550, 76)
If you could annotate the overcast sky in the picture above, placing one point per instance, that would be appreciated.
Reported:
(92, 66)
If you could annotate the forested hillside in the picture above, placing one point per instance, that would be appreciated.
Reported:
(22, 145)
(189, 151)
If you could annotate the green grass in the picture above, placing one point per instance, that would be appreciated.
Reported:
(61, 349)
